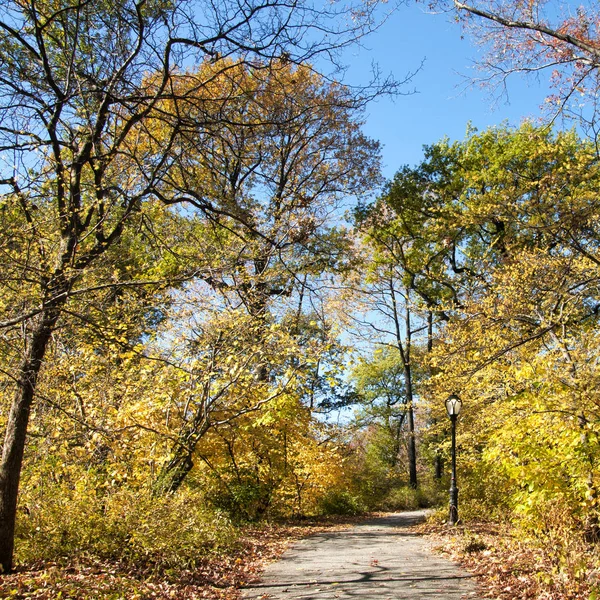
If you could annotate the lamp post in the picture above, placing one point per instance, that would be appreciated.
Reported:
(453, 406)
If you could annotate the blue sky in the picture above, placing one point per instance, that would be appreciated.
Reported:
(441, 107)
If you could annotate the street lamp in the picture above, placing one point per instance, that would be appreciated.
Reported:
(453, 406)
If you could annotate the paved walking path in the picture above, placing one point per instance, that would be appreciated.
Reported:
(378, 559)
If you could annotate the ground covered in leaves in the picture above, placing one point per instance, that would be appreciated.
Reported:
(511, 566)
(218, 577)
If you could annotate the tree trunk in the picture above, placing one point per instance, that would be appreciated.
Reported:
(405, 350)
(412, 446)
(16, 431)
(439, 467)
(174, 473)
(408, 382)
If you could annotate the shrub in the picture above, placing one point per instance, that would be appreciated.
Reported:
(407, 498)
(129, 525)
(341, 502)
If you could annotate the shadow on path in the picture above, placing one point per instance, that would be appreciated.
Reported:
(377, 559)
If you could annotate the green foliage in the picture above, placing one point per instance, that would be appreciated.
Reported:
(380, 383)
(341, 502)
(427, 495)
(499, 238)
(373, 476)
(245, 500)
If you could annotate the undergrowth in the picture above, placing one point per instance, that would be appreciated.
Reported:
(133, 527)
(515, 564)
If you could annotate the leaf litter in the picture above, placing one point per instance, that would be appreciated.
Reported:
(217, 577)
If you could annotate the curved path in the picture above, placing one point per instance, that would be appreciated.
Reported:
(379, 559)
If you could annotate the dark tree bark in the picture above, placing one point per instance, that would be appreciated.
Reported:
(174, 472)
(412, 444)
(16, 430)
(404, 345)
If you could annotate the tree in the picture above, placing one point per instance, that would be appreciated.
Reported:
(392, 301)
(512, 214)
(408, 278)
(534, 37)
(277, 460)
(222, 384)
(489, 199)
(74, 93)
(380, 383)
(274, 161)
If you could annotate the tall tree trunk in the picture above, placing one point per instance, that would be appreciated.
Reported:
(404, 348)
(408, 382)
(412, 446)
(16, 430)
(439, 465)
